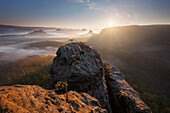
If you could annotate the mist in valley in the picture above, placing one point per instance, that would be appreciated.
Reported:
(18, 43)
(142, 53)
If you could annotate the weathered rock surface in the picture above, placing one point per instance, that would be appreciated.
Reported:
(83, 69)
(123, 98)
(34, 99)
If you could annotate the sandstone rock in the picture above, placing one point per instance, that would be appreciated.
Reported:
(34, 99)
(123, 98)
(83, 69)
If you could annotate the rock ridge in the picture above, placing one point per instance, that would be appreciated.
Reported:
(33, 99)
(124, 98)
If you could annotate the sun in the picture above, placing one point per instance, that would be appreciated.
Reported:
(110, 24)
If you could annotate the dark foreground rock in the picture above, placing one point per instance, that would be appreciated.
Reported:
(123, 98)
(83, 69)
(34, 99)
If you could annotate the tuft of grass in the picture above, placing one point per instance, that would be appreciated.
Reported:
(81, 44)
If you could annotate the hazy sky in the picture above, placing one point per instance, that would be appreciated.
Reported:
(84, 13)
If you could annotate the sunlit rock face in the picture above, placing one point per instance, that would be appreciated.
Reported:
(123, 98)
(83, 69)
(34, 99)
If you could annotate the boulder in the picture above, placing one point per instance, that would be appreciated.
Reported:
(34, 99)
(83, 69)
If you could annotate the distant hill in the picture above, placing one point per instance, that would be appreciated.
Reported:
(90, 32)
(20, 27)
(6, 29)
(84, 30)
(138, 48)
(142, 53)
(38, 33)
(127, 36)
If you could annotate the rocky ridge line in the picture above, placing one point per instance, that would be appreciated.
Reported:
(124, 98)
(34, 99)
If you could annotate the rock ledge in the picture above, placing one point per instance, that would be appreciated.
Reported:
(33, 99)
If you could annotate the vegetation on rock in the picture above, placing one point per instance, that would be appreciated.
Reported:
(62, 85)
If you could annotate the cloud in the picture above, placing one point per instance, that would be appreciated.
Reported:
(88, 3)
(91, 5)
(80, 1)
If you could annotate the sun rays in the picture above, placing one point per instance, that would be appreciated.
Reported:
(111, 25)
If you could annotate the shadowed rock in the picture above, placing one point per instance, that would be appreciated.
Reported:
(83, 69)
(123, 98)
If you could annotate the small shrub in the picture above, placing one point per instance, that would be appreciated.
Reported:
(71, 40)
(60, 86)
(81, 44)
(107, 69)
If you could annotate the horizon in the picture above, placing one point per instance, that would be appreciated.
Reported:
(85, 28)
(117, 51)
(88, 14)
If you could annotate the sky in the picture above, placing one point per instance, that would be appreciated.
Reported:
(94, 14)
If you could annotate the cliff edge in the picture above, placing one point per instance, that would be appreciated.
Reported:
(123, 98)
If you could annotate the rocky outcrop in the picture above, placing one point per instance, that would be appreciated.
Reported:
(90, 32)
(83, 69)
(34, 99)
(123, 98)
